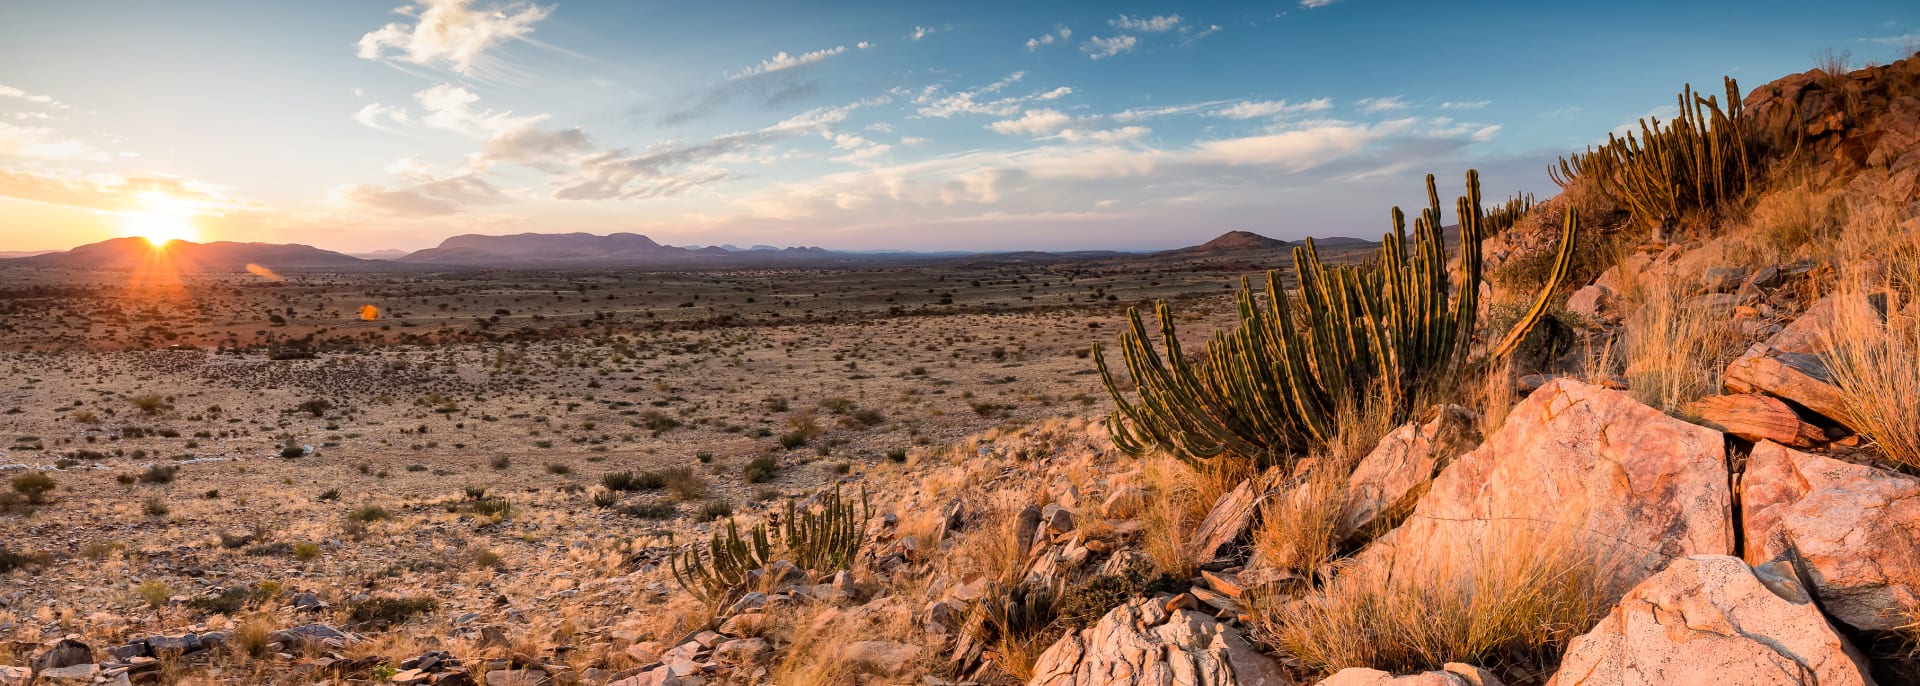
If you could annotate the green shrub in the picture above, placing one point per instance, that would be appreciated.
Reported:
(367, 513)
(35, 486)
(762, 469)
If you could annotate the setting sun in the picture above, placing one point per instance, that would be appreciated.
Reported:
(160, 227)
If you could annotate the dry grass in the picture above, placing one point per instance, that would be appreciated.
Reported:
(1297, 528)
(1523, 593)
(1676, 347)
(1795, 220)
(1175, 505)
(1876, 362)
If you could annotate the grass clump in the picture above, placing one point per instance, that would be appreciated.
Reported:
(660, 510)
(381, 612)
(160, 474)
(761, 469)
(1516, 598)
(368, 513)
(35, 486)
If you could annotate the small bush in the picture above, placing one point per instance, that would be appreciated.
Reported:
(650, 510)
(501, 462)
(35, 486)
(618, 481)
(306, 552)
(604, 499)
(155, 506)
(10, 560)
(155, 592)
(159, 474)
(793, 439)
(714, 509)
(898, 455)
(684, 483)
(761, 469)
(367, 513)
(376, 613)
(558, 469)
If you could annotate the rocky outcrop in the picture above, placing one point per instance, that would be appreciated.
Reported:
(1756, 417)
(1852, 531)
(1389, 479)
(1651, 487)
(1788, 364)
(1450, 674)
(1145, 643)
(1713, 620)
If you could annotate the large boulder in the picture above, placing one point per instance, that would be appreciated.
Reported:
(1579, 458)
(1450, 674)
(1711, 619)
(1388, 480)
(1853, 531)
(1144, 643)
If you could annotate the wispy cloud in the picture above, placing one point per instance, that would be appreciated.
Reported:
(1159, 24)
(782, 61)
(1060, 34)
(1251, 109)
(1312, 4)
(936, 102)
(1378, 105)
(1101, 48)
(1032, 123)
(1473, 105)
(382, 117)
(451, 32)
(45, 143)
(920, 32)
(35, 98)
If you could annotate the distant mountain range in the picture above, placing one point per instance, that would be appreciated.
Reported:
(559, 250)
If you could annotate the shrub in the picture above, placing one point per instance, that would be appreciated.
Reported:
(714, 509)
(618, 481)
(155, 506)
(155, 592)
(10, 560)
(558, 468)
(1018, 620)
(793, 439)
(381, 612)
(367, 513)
(35, 486)
(501, 462)
(761, 469)
(660, 510)
(684, 483)
(306, 552)
(317, 407)
(898, 455)
(159, 474)
(149, 403)
(496, 508)
(605, 499)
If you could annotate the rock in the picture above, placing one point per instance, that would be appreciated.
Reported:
(1723, 279)
(1851, 531)
(66, 653)
(174, 645)
(517, 677)
(1594, 303)
(743, 652)
(1060, 523)
(1757, 418)
(71, 675)
(1124, 503)
(1229, 518)
(309, 636)
(1141, 642)
(308, 602)
(750, 624)
(1711, 619)
(882, 657)
(1225, 583)
(1788, 365)
(1026, 524)
(1389, 479)
(646, 652)
(14, 676)
(1450, 674)
(1581, 458)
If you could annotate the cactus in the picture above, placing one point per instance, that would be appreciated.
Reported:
(1273, 388)
(1697, 161)
(829, 538)
(823, 540)
(1504, 216)
(725, 563)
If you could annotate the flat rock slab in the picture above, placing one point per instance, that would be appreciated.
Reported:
(1852, 530)
(1711, 619)
(1144, 643)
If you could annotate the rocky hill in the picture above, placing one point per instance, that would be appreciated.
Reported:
(130, 254)
(583, 249)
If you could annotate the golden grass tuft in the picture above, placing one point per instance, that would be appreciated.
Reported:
(1174, 507)
(1876, 365)
(1297, 527)
(1675, 346)
(1523, 593)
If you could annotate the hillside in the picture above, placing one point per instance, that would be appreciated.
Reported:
(583, 249)
(129, 254)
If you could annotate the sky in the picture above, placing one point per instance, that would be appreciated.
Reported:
(359, 125)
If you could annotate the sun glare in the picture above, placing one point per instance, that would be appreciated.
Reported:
(159, 227)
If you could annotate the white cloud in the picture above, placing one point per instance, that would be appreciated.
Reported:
(45, 143)
(1907, 40)
(920, 32)
(1486, 133)
(939, 103)
(382, 117)
(1060, 34)
(453, 32)
(1124, 133)
(863, 45)
(422, 192)
(1033, 123)
(1102, 48)
(1250, 109)
(1312, 4)
(1377, 105)
(1160, 24)
(782, 61)
(912, 140)
(35, 98)
(1145, 113)
(1196, 36)
(1473, 105)
(1291, 150)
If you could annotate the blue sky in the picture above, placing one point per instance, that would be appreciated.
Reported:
(364, 124)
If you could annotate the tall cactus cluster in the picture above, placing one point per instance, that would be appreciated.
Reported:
(1505, 215)
(817, 539)
(1275, 386)
(1697, 161)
